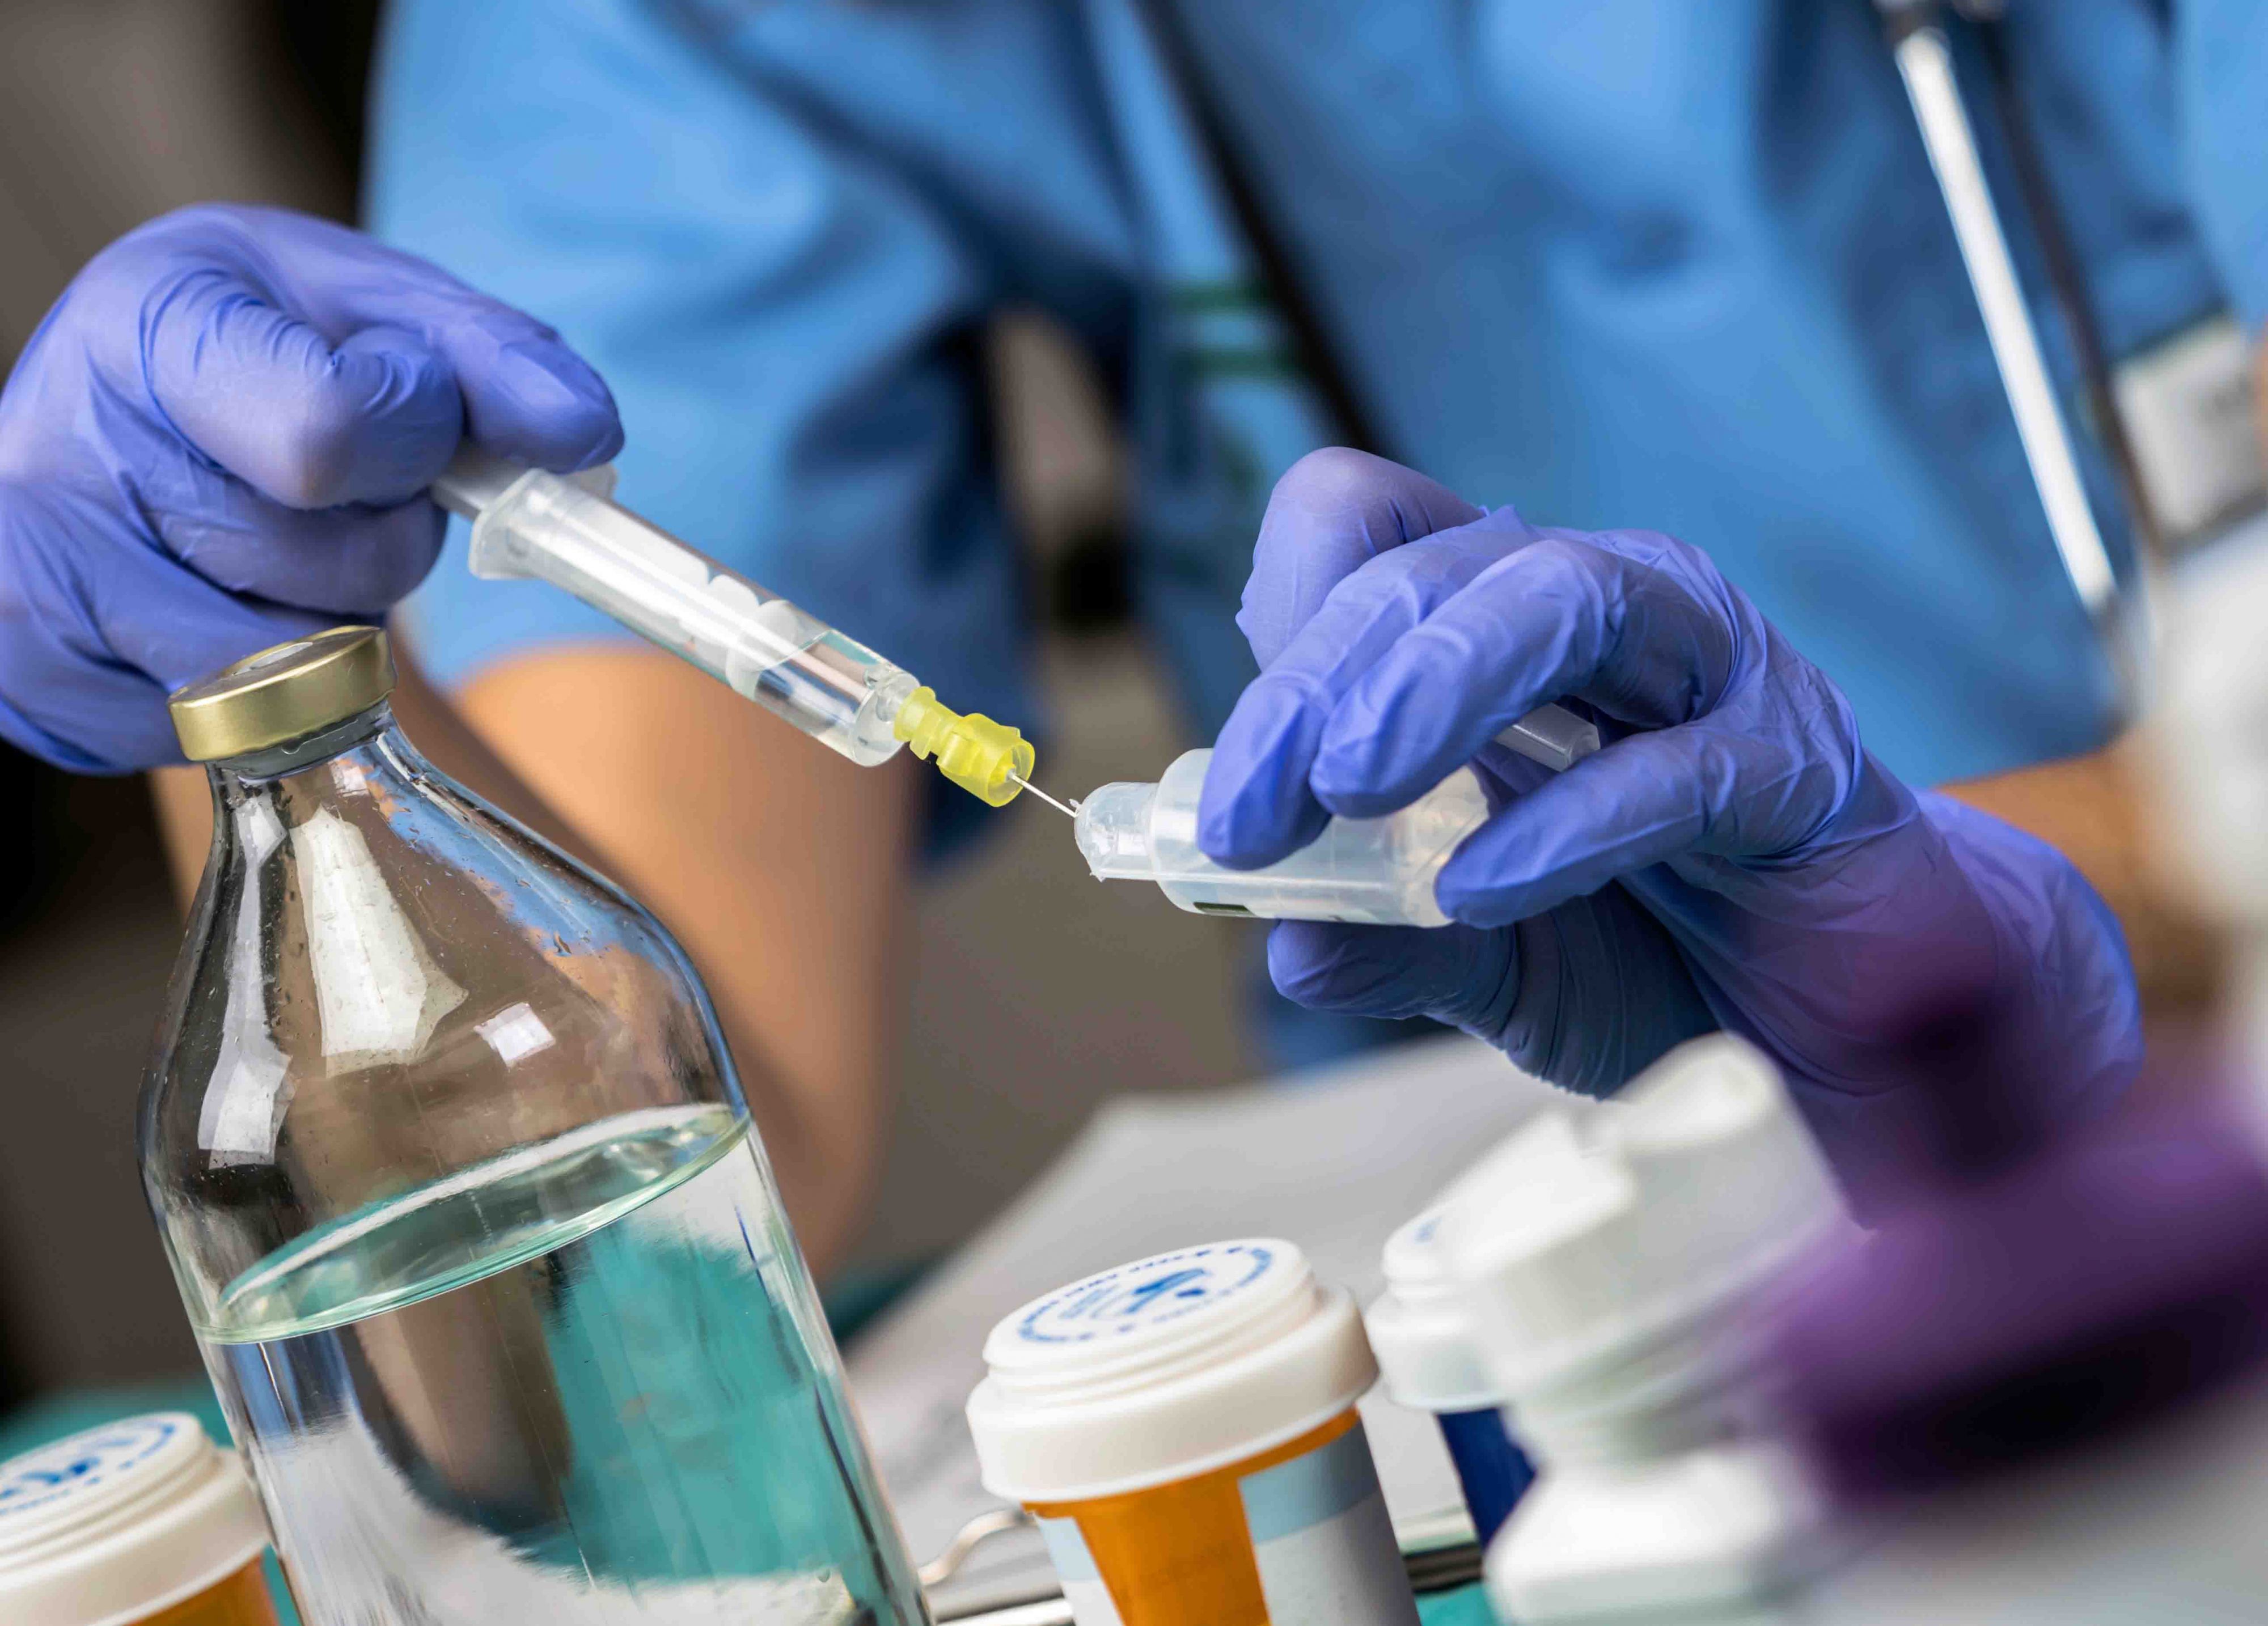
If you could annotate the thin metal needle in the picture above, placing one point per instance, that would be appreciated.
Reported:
(1071, 812)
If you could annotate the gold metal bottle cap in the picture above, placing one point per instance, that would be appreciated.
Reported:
(282, 694)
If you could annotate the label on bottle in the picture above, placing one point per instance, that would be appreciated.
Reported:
(1296, 1536)
(1322, 1539)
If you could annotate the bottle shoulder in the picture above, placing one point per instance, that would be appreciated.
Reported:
(387, 981)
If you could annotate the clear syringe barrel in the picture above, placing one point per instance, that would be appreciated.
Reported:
(1366, 872)
(567, 531)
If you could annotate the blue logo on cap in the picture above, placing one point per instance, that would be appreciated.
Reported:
(42, 1477)
(1147, 1293)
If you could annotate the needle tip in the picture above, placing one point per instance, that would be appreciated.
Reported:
(1071, 812)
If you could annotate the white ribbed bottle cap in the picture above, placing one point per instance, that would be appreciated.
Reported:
(1419, 1327)
(1663, 1207)
(1419, 1331)
(1163, 1369)
(120, 1522)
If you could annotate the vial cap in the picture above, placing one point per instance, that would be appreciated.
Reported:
(282, 694)
(1164, 1368)
(1112, 829)
(122, 1522)
(1196, 1302)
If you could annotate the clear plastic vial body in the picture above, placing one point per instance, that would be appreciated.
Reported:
(567, 530)
(1368, 871)
(1364, 872)
(462, 1196)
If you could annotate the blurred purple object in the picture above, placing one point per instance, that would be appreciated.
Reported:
(1956, 1098)
(2109, 1282)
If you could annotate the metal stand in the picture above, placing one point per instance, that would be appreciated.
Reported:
(1925, 62)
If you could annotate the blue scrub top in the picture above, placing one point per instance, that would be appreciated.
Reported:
(1646, 263)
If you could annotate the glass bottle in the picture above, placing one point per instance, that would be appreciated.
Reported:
(464, 1202)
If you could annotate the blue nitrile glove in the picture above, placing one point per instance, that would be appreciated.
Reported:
(219, 439)
(1732, 858)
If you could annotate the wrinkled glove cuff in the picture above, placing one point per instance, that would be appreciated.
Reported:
(2066, 997)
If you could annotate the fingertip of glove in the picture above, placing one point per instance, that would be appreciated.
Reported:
(1356, 780)
(1217, 835)
(1256, 806)
(1304, 963)
(1478, 887)
(1375, 757)
(1335, 480)
(543, 403)
(1387, 972)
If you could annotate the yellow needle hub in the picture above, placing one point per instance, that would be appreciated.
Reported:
(989, 760)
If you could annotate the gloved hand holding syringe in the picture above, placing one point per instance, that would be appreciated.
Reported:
(567, 530)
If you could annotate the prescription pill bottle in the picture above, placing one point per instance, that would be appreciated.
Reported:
(139, 1523)
(1184, 1429)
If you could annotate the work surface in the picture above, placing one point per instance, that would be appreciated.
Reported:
(2162, 1529)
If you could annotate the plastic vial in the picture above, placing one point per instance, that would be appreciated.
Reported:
(1184, 1429)
(463, 1201)
(1607, 1263)
(1426, 1354)
(1372, 871)
(1366, 871)
(141, 1522)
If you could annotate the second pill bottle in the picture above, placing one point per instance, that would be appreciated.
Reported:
(1184, 1429)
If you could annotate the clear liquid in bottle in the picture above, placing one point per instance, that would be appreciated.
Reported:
(650, 1452)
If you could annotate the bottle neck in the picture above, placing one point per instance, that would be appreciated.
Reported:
(346, 759)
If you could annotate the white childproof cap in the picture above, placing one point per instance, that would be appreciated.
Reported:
(1164, 1369)
(120, 1522)
(1586, 1244)
(1420, 1327)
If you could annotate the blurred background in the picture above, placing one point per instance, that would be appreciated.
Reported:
(113, 111)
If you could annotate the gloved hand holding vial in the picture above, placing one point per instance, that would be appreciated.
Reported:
(1732, 858)
(567, 530)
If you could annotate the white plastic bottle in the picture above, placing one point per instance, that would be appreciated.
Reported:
(1430, 1362)
(1606, 1276)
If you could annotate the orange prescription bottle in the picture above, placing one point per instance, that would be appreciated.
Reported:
(1184, 1429)
(139, 1523)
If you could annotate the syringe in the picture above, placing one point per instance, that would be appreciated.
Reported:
(567, 530)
